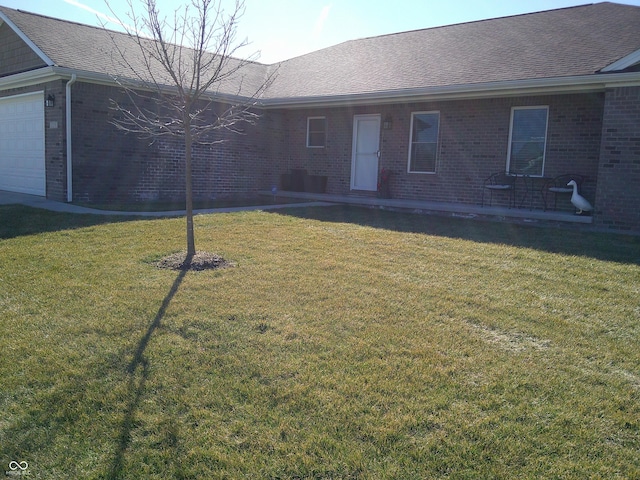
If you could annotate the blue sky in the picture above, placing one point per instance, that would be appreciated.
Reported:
(280, 29)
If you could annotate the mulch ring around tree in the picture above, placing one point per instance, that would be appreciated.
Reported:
(200, 261)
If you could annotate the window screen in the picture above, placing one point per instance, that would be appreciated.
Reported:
(527, 141)
(423, 150)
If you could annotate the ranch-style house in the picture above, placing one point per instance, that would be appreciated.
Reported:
(420, 116)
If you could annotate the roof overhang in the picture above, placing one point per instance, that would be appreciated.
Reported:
(540, 86)
(53, 73)
(31, 77)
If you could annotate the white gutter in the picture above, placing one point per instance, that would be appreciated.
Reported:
(535, 86)
(32, 77)
(110, 80)
(69, 136)
(539, 86)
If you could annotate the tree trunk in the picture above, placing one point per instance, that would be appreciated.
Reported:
(191, 244)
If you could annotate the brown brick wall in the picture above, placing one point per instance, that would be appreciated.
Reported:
(55, 142)
(474, 137)
(618, 194)
(105, 164)
(109, 165)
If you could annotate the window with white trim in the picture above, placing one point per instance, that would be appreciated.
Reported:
(527, 140)
(316, 132)
(423, 144)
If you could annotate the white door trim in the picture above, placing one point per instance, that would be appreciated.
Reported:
(365, 152)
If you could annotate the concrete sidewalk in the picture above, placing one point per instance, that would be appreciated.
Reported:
(8, 198)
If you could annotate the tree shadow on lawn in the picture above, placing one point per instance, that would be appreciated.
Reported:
(19, 220)
(137, 371)
(52, 416)
(569, 241)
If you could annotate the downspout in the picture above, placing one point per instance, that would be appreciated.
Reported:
(68, 131)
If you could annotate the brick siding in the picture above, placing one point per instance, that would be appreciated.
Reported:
(110, 165)
(56, 142)
(618, 195)
(473, 143)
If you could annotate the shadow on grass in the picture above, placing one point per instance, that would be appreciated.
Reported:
(137, 371)
(50, 416)
(566, 241)
(19, 220)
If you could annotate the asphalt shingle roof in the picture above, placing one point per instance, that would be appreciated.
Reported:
(92, 49)
(556, 43)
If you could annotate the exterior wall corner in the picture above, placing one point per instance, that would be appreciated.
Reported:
(618, 192)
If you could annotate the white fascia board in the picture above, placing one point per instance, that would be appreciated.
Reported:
(27, 40)
(49, 74)
(575, 84)
(550, 86)
(32, 77)
(624, 62)
(104, 79)
(109, 80)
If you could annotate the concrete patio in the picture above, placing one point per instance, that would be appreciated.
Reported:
(523, 215)
(451, 209)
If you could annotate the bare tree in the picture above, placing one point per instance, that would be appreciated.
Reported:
(182, 78)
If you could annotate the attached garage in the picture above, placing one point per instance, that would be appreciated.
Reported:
(22, 145)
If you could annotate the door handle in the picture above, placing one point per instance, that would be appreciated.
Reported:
(378, 153)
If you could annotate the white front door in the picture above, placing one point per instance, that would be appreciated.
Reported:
(365, 152)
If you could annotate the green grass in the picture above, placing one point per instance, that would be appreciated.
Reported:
(345, 343)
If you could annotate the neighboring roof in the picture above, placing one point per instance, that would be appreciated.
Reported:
(555, 44)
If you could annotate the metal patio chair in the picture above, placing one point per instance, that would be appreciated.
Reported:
(500, 182)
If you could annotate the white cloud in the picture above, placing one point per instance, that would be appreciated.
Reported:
(324, 14)
(99, 14)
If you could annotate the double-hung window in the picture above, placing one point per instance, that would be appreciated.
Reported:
(527, 140)
(423, 144)
(316, 132)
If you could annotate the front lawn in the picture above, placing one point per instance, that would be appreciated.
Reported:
(345, 343)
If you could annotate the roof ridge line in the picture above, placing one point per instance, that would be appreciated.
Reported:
(470, 22)
(105, 29)
(64, 20)
(352, 40)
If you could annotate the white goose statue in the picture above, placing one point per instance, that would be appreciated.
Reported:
(581, 203)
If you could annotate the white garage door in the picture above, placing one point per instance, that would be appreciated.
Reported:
(22, 165)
